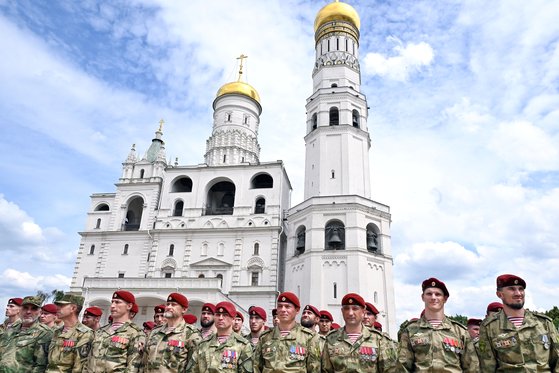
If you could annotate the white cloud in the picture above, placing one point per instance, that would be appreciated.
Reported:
(408, 60)
(25, 281)
(17, 229)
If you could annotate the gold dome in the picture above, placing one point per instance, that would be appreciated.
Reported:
(337, 11)
(240, 88)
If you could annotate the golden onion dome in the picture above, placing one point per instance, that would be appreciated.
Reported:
(337, 11)
(240, 88)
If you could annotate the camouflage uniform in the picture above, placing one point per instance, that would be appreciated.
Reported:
(25, 350)
(69, 350)
(4, 327)
(234, 355)
(372, 352)
(533, 347)
(169, 350)
(447, 348)
(299, 351)
(117, 350)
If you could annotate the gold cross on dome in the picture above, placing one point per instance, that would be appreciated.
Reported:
(241, 57)
(161, 122)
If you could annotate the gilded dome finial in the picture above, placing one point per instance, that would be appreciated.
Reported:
(241, 57)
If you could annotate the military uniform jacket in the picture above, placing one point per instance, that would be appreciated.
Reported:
(445, 349)
(69, 350)
(116, 350)
(169, 350)
(372, 352)
(299, 351)
(533, 347)
(234, 355)
(25, 350)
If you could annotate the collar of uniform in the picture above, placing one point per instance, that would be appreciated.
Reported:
(365, 333)
(291, 335)
(446, 323)
(220, 346)
(110, 330)
(505, 324)
(177, 329)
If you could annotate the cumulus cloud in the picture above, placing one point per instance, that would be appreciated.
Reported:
(17, 229)
(25, 281)
(408, 59)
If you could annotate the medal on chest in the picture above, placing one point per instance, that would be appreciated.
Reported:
(229, 359)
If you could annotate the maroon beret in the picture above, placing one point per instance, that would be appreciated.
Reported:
(50, 308)
(126, 296)
(377, 326)
(240, 316)
(190, 318)
(257, 311)
(208, 307)
(16, 301)
(510, 280)
(226, 307)
(94, 311)
(494, 307)
(288, 297)
(313, 309)
(275, 312)
(435, 283)
(335, 326)
(149, 325)
(134, 308)
(474, 322)
(159, 309)
(371, 308)
(178, 298)
(326, 315)
(352, 299)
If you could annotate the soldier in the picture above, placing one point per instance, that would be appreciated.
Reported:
(309, 317)
(13, 309)
(238, 323)
(117, 346)
(516, 339)
(158, 316)
(24, 346)
(170, 346)
(91, 317)
(325, 322)
(371, 313)
(48, 315)
(275, 319)
(435, 342)
(355, 347)
(493, 308)
(207, 327)
(288, 347)
(473, 328)
(256, 322)
(70, 345)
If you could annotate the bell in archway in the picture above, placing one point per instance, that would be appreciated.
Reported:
(335, 239)
(372, 244)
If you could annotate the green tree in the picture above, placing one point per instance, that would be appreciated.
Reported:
(50, 297)
(459, 318)
(554, 315)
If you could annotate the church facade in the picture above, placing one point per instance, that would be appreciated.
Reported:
(226, 230)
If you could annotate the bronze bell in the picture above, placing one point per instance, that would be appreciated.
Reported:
(335, 239)
(372, 242)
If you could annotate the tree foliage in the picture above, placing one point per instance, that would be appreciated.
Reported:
(459, 318)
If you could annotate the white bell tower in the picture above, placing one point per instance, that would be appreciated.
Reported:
(339, 239)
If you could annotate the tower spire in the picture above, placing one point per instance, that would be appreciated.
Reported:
(241, 57)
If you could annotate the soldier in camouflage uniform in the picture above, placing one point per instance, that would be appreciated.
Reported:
(13, 309)
(170, 346)
(224, 351)
(356, 348)
(288, 347)
(24, 346)
(117, 347)
(207, 322)
(435, 343)
(71, 344)
(256, 322)
(515, 339)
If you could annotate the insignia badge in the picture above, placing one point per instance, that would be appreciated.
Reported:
(283, 299)
(545, 340)
(350, 301)
(516, 282)
(433, 283)
(84, 350)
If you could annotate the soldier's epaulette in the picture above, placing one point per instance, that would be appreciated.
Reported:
(540, 315)
(454, 322)
(240, 338)
(489, 319)
(82, 328)
(43, 327)
(308, 331)
(136, 327)
(266, 332)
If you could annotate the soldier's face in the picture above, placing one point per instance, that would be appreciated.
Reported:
(512, 296)
(324, 325)
(286, 312)
(237, 324)
(256, 323)
(89, 320)
(47, 318)
(159, 318)
(434, 299)
(369, 318)
(64, 310)
(206, 319)
(309, 317)
(275, 320)
(29, 314)
(119, 308)
(223, 321)
(473, 330)
(12, 310)
(173, 310)
(353, 314)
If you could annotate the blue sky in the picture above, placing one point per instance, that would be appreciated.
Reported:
(464, 124)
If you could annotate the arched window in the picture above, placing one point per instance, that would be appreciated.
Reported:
(334, 235)
(373, 239)
(134, 214)
(262, 181)
(98, 225)
(254, 278)
(334, 85)
(102, 207)
(220, 249)
(301, 238)
(355, 118)
(334, 116)
(171, 250)
(314, 121)
(221, 199)
(201, 275)
(125, 250)
(92, 250)
(220, 277)
(335, 290)
(204, 250)
(142, 172)
(256, 249)
(260, 206)
(179, 206)
(182, 185)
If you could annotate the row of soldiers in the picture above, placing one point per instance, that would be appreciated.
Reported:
(512, 339)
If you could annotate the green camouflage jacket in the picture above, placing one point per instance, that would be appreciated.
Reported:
(25, 350)
(372, 352)
(445, 349)
(533, 347)
(234, 355)
(69, 350)
(299, 351)
(169, 350)
(117, 350)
